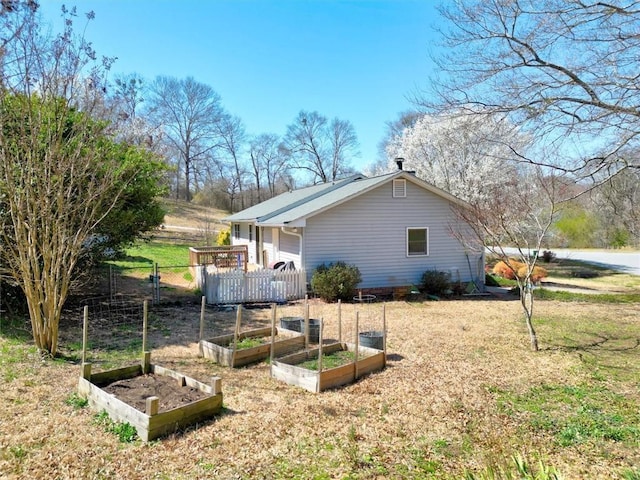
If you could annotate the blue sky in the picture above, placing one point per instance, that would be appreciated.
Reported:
(357, 60)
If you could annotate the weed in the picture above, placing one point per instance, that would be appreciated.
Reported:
(125, 432)
(249, 343)
(76, 401)
(18, 451)
(329, 360)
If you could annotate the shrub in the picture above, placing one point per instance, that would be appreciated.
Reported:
(537, 274)
(435, 282)
(505, 271)
(335, 281)
(548, 256)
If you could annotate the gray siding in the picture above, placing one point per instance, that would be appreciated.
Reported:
(370, 232)
(290, 249)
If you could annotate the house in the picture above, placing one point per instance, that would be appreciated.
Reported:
(393, 227)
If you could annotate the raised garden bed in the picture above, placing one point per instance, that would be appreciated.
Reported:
(221, 349)
(154, 421)
(291, 369)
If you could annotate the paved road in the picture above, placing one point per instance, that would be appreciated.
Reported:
(628, 262)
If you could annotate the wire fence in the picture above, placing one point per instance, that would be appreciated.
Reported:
(176, 314)
(316, 321)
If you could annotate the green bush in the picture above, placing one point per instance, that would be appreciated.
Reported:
(335, 281)
(435, 282)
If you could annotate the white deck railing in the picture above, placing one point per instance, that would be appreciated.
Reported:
(237, 286)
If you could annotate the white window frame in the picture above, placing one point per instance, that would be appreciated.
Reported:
(236, 231)
(399, 188)
(420, 254)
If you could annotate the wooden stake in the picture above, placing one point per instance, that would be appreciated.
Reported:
(339, 321)
(151, 407)
(146, 362)
(238, 319)
(85, 333)
(145, 317)
(202, 307)
(216, 385)
(319, 358)
(273, 332)
(357, 343)
(306, 322)
(86, 371)
(384, 333)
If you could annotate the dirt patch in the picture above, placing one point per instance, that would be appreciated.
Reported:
(135, 391)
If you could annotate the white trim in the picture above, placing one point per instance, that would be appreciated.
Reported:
(426, 229)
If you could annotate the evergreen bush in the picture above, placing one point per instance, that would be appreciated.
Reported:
(335, 281)
(435, 282)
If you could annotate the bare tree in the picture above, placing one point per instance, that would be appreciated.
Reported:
(232, 134)
(563, 70)
(268, 164)
(190, 113)
(617, 202)
(320, 147)
(60, 174)
(518, 217)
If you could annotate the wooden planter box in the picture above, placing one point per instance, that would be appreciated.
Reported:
(151, 424)
(286, 369)
(220, 349)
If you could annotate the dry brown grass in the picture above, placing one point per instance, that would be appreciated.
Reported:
(434, 412)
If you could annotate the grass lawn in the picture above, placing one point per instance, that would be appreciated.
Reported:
(462, 397)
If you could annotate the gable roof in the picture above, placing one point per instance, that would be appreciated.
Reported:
(295, 206)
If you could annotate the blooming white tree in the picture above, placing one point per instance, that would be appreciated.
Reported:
(463, 155)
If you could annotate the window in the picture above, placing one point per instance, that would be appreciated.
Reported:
(417, 241)
(236, 230)
(250, 233)
(399, 188)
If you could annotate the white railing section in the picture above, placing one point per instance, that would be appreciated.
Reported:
(237, 286)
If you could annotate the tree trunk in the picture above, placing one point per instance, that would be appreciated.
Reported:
(526, 299)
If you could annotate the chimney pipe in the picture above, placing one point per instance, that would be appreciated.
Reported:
(399, 161)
